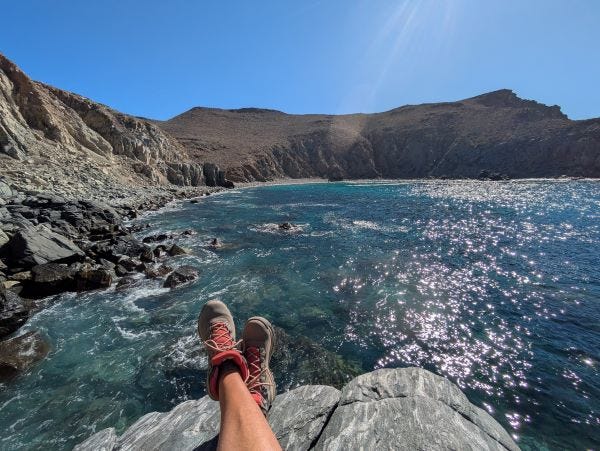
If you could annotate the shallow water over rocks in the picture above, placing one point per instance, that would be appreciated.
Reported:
(492, 284)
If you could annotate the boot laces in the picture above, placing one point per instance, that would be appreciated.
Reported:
(220, 338)
(254, 382)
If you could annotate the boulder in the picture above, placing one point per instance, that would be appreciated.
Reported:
(118, 247)
(38, 245)
(13, 312)
(92, 279)
(21, 276)
(49, 279)
(160, 271)
(195, 424)
(127, 282)
(3, 238)
(409, 409)
(312, 405)
(156, 238)
(177, 250)
(130, 264)
(5, 190)
(20, 353)
(106, 263)
(121, 271)
(406, 409)
(160, 251)
(147, 256)
(182, 275)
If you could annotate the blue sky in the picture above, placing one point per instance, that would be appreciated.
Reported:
(159, 58)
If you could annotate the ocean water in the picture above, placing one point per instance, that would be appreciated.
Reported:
(495, 285)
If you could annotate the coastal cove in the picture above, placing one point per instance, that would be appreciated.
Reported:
(475, 281)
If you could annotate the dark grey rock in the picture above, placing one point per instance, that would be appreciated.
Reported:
(157, 238)
(182, 275)
(13, 312)
(92, 279)
(49, 279)
(127, 282)
(177, 250)
(130, 264)
(106, 263)
(121, 271)
(160, 251)
(20, 353)
(147, 256)
(160, 271)
(38, 245)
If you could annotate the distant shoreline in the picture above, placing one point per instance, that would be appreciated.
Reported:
(307, 181)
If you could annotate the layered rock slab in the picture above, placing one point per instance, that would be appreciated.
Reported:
(408, 408)
(194, 425)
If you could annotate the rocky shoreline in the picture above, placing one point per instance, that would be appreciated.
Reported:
(51, 244)
(404, 408)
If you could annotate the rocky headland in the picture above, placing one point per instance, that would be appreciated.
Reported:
(405, 409)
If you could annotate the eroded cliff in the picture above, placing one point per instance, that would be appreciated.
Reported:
(56, 141)
(496, 132)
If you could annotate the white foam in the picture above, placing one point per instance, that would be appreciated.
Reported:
(273, 228)
(140, 293)
(188, 352)
(129, 335)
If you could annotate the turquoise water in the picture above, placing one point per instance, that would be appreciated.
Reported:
(494, 285)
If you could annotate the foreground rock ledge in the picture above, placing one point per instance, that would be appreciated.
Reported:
(407, 409)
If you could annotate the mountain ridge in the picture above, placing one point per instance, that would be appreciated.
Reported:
(492, 132)
(53, 140)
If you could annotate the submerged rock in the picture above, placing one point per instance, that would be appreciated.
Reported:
(298, 360)
(406, 409)
(20, 353)
(180, 276)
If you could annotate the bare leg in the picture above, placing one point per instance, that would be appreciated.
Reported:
(243, 426)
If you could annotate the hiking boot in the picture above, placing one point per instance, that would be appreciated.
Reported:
(217, 331)
(258, 342)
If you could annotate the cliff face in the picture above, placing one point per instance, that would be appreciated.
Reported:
(494, 132)
(55, 141)
(404, 409)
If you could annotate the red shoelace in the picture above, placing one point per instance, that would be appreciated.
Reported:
(220, 339)
(254, 383)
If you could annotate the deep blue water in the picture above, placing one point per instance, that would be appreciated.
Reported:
(494, 285)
